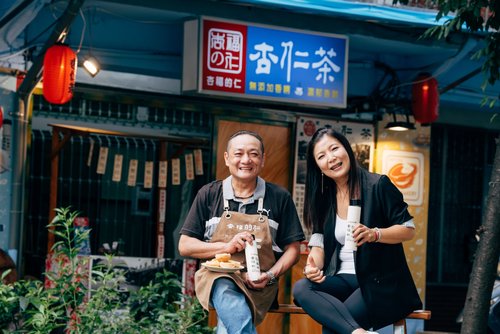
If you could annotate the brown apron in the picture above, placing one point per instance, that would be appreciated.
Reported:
(230, 224)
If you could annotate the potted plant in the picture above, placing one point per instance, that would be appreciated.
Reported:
(78, 299)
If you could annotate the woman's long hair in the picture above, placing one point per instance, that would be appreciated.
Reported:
(321, 191)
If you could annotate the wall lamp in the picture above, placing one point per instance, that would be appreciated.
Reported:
(91, 65)
(396, 125)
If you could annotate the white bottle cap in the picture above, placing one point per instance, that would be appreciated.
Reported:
(353, 213)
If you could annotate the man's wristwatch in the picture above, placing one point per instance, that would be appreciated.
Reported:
(272, 278)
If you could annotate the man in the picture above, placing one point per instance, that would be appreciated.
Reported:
(226, 214)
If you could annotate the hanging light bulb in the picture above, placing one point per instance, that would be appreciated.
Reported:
(400, 126)
(396, 125)
(91, 65)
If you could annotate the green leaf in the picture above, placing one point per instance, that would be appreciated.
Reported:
(23, 303)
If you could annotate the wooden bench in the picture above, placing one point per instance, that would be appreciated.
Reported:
(399, 326)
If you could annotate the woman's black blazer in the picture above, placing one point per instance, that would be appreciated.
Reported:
(383, 274)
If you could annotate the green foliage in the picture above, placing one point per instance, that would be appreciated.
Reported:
(40, 311)
(160, 294)
(478, 16)
(155, 304)
(78, 300)
(9, 302)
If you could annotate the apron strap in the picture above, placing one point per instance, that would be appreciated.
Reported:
(260, 209)
(226, 209)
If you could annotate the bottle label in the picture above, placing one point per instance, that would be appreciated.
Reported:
(353, 218)
(349, 240)
(252, 261)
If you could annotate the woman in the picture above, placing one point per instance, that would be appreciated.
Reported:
(350, 291)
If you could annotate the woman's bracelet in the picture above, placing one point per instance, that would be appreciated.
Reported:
(378, 234)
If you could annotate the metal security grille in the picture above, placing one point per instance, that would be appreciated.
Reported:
(461, 163)
(460, 160)
(116, 211)
(37, 216)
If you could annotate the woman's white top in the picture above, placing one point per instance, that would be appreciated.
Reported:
(346, 255)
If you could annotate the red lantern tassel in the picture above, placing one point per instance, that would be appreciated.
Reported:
(59, 74)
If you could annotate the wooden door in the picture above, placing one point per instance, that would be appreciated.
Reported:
(277, 145)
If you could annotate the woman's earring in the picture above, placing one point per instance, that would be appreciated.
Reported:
(322, 175)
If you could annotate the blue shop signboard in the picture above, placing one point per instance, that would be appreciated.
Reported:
(270, 63)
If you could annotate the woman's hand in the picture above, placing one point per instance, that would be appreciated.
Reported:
(394, 234)
(237, 243)
(362, 234)
(312, 272)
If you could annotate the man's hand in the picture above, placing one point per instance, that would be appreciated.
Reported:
(237, 243)
(256, 285)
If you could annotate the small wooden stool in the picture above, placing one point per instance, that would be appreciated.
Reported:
(400, 325)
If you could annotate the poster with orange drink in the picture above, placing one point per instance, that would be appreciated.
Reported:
(406, 171)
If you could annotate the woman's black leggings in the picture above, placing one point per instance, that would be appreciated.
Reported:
(336, 303)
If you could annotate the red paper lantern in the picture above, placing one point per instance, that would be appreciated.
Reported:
(425, 99)
(59, 74)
